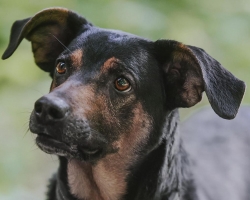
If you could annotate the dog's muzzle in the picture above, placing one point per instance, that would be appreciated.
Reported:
(60, 132)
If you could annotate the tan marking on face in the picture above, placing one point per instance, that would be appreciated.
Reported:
(76, 58)
(89, 105)
(136, 136)
(108, 64)
(108, 178)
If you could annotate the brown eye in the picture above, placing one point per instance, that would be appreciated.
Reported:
(61, 68)
(122, 84)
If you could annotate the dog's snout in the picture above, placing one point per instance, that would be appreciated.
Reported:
(51, 108)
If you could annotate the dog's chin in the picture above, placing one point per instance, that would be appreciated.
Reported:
(52, 146)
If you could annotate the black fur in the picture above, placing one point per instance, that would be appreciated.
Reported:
(164, 75)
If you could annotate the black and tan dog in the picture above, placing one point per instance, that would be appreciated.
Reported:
(111, 114)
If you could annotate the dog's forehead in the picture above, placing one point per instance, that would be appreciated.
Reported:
(99, 45)
(109, 37)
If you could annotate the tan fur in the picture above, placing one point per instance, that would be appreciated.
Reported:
(76, 58)
(81, 180)
(111, 62)
(83, 98)
(107, 179)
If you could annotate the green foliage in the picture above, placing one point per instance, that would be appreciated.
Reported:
(220, 27)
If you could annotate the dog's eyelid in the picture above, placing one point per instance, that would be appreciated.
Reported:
(59, 60)
(63, 58)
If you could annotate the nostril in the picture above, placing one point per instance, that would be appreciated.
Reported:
(56, 113)
(38, 107)
(50, 108)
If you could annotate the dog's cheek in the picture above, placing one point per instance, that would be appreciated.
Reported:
(135, 136)
(124, 123)
(81, 99)
(103, 117)
(129, 145)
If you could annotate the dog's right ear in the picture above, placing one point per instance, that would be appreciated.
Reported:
(189, 70)
(49, 32)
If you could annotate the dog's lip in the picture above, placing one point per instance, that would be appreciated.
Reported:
(89, 151)
(52, 146)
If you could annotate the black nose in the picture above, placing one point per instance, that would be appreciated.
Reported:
(51, 108)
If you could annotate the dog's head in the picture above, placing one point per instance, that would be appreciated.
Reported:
(112, 91)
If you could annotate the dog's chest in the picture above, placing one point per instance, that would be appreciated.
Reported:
(99, 182)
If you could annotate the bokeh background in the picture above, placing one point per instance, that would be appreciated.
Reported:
(222, 28)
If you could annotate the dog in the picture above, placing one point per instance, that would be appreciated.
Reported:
(111, 114)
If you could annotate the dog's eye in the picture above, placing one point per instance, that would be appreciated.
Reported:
(61, 68)
(122, 84)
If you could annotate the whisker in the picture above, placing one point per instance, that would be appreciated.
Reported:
(26, 123)
(53, 158)
(60, 42)
(28, 129)
(25, 112)
(34, 148)
(34, 89)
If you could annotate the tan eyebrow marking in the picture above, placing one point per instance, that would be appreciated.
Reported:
(108, 64)
(76, 58)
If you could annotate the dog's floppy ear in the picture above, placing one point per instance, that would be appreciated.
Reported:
(188, 71)
(46, 31)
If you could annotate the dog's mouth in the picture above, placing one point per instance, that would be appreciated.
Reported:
(51, 145)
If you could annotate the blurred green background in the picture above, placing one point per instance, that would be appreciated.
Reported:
(222, 28)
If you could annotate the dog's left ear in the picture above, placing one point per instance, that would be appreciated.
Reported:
(188, 71)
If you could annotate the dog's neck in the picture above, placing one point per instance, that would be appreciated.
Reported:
(102, 181)
(175, 180)
(165, 176)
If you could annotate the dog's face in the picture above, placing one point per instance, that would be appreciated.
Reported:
(103, 97)
(112, 91)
